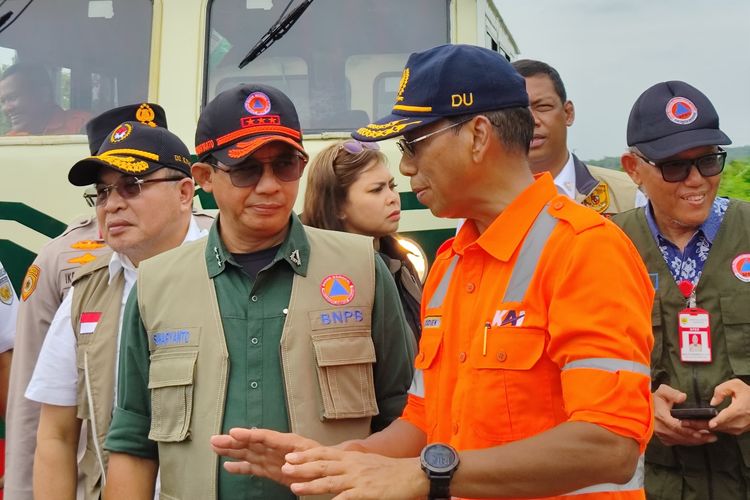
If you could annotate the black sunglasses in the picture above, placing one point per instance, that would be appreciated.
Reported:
(286, 168)
(678, 170)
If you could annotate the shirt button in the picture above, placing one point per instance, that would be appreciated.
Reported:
(254, 340)
(470, 287)
(253, 385)
(501, 356)
(254, 298)
(455, 428)
(557, 205)
(462, 357)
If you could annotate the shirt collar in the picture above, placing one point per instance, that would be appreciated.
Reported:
(120, 262)
(709, 228)
(294, 250)
(508, 229)
(566, 179)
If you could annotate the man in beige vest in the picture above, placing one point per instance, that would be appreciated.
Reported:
(44, 286)
(144, 196)
(267, 323)
(605, 190)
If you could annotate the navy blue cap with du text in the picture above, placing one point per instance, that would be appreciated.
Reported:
(448, 80)
(671, 117)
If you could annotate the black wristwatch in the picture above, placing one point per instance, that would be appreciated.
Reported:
(439, 461)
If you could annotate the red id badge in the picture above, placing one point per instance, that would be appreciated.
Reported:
(695, 335)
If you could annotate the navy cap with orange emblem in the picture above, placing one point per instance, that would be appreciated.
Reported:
(133, 149)
(99, 127)
(240, 120)
(448, 80)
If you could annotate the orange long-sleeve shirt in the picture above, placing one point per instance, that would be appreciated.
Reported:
(575, 348)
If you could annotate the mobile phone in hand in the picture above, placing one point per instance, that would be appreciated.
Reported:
(705, 413)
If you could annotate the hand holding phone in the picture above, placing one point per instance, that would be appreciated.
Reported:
(703, 413)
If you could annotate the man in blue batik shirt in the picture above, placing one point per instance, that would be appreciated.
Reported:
(696, 247)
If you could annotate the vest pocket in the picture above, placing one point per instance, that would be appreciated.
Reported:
(170, 379)
(345, 374)
(735, 314)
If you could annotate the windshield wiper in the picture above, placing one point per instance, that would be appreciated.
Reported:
(278, 30)
(5, 17)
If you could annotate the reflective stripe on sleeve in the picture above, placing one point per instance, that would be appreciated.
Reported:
(635, 483)
(610, 365)
(417, 384)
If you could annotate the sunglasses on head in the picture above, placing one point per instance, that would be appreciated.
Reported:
(678, 170)
(127, 187)
(286, 168)
(355, 147)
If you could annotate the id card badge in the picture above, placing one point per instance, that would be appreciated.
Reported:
(695, 335)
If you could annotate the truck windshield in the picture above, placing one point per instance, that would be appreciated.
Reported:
(63, 62)
(340, 64)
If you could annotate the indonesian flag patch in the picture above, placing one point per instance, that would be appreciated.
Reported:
(88, 322)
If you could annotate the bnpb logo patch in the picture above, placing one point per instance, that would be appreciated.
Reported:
(121, 133)
(741, 267)
(258, 104)
(337, 289)
(681, 111)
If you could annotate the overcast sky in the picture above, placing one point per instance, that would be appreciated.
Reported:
(609, 51)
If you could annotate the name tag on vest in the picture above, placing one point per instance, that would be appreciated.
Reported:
(177, 337)
(339, 317)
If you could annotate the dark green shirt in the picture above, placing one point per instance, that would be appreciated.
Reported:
(253, 315)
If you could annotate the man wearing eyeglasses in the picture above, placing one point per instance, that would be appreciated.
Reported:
(696, 247)
(144, 195)
(266, 323)
(46, 282)
(531, 381)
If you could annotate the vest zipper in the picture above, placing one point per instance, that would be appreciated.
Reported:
(92, 418)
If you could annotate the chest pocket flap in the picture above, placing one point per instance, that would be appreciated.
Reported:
(429, 346)
(171, 379)
(511, 348)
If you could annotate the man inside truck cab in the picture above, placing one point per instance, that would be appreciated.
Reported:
(28, 101)
(266, 323)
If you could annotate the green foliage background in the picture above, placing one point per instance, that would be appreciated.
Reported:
(735, 180)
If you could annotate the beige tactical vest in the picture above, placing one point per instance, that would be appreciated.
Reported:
(615, 192)
(95, 356)
(190, 364)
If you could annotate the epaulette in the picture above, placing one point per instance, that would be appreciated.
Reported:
(579, 217)
(445, 246)
(78, 223)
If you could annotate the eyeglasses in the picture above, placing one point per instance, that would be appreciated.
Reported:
(286, 168)
(127, 187)
(355, 147)
(407, 147)
(678, 170)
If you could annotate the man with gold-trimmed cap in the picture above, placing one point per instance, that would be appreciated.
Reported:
(43, 288)
(144, 196)
(530, 382)
(265, 323)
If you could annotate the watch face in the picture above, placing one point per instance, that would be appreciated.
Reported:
(440, 458)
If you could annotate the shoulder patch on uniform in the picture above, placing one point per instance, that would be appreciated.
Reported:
(579, 217)
(30, 281)
(598, 198)
(6, 290)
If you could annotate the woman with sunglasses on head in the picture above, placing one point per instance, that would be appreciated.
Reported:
(349, 188)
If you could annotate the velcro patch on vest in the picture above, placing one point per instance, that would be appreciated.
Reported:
(177, 337)
(88, 322)
(340, 317)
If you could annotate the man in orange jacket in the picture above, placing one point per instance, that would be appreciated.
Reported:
(532, 378)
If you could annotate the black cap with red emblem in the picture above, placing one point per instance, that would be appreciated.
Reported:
(242, 119)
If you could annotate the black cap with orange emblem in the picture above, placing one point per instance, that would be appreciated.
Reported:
(242, 119)
(99, 127)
